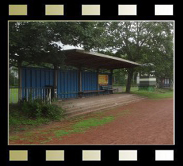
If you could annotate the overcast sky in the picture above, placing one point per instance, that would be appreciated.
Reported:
(67, 47)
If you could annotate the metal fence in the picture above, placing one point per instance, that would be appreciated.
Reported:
(27, 94)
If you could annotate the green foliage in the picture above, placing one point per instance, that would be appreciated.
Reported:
(119, 77)
(52, 111)
(13, 81)
(33, 113)
(37, 109)
(32, 109)
(143, 42)
(18, 118)
(35, 43)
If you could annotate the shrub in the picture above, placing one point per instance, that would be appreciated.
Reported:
(52, 111)
(37, 109)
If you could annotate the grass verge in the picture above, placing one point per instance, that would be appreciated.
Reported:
(19, 121)
(157, 94)
(22, 123)
(84, 125)
(78, 125)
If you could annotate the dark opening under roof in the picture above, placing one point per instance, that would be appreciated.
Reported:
(93, 60)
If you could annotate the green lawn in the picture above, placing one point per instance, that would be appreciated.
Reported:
(157, 94)
(13, 95)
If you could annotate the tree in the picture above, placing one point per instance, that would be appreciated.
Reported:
(143, 42)
(32, 42)
(37, 42)
(119, 75)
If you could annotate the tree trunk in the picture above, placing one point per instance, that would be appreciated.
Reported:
(129, 80)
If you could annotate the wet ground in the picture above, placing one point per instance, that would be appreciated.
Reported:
(145, 122)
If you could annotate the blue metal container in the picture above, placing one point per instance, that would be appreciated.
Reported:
(67, 85)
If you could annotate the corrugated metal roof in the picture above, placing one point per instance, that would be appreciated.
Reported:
(81, 58)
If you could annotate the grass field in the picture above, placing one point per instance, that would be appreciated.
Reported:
(157, 94)
(13, 95)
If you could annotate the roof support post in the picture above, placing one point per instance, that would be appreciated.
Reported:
(79, 80)
(98, 88)
(97, 79)
(111, 73)
(55, 80)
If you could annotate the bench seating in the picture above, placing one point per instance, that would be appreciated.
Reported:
(108, 88)
(92, 91)
(103, 89)
(89, 91)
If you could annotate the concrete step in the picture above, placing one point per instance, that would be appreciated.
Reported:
(87, 106)
(87, 112)
(71, 105)
(93, 104)
(99, 108)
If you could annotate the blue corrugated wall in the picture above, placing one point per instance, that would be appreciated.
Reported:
(67, 85)
(37, 77)
(89, 82)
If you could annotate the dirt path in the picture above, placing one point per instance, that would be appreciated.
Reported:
(144, 122)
